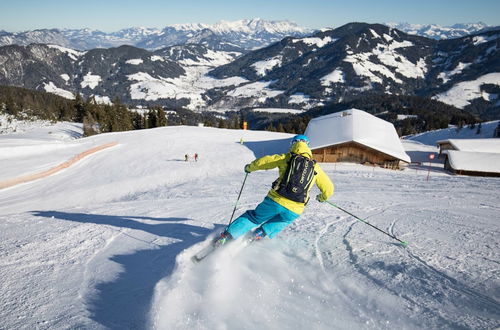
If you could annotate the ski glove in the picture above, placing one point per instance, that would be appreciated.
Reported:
(247, 168)
(319, 198)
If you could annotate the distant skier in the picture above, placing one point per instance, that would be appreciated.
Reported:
(186, 157)
(195, 157)
(286, 200)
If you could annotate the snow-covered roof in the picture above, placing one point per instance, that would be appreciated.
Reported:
(488, 162)
(358, 126)
(475, 145)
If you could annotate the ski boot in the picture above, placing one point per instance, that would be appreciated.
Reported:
(257, 235)
(222, 239)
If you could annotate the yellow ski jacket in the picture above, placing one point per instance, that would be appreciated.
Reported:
(280, 161)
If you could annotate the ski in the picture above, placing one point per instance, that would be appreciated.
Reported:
(203, 253)
(198, 257)
(216, 243)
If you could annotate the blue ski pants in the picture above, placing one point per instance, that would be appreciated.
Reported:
(269, 215)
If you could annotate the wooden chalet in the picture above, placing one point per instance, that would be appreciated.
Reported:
(476, 157)
(356, 136)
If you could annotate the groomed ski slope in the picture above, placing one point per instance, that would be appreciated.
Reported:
(106, 243)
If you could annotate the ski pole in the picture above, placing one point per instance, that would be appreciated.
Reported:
(369, 224)
(239, 195)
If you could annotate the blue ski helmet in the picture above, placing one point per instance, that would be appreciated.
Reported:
(300, 138)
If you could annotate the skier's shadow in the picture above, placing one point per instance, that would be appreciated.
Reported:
(125, 301)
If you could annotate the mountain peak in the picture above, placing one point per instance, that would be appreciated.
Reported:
(189, 26)
(258, 25)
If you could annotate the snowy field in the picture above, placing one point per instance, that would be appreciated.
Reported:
(106, 243)
(430, 138)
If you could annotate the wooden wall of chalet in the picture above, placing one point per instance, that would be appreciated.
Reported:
(355, 153)
(445, 146)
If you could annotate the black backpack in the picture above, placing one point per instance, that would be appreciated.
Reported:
(297, 179)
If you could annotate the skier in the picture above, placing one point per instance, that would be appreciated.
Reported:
(186, 157)
(195, 157)
(286, 200)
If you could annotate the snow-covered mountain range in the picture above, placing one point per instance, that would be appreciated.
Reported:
(358, 58)
(436, 31)
(243, 34)
(296, 72)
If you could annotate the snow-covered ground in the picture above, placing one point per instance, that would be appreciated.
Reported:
(430, 138)
(461, 94)
(106, 243)
(191, 85)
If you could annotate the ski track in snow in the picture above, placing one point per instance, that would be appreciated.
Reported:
(107, 244)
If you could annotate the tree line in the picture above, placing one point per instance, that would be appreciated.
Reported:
(419, 114)
(102, 118)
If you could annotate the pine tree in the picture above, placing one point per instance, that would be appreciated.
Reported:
(407, 127)
(138, 121)
(124, 118)
(157, 116)
(162, 117)
(10, 105)
(152, 118)
(79, 108)
(90, 125)
(271, 128)
(222, 123)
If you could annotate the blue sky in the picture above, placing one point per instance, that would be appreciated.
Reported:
(113, 15)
